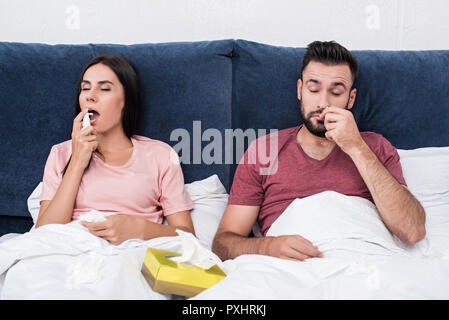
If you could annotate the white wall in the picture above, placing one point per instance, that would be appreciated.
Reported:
(356, 24)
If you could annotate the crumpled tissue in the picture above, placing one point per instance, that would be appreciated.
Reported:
(193, 253)
(86, 270)
(94, 216)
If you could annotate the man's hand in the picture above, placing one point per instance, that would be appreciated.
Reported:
(342, 129)
(117, 228)
(231, 239)
(292, 247)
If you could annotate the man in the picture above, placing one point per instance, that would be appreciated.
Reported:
(327, 152)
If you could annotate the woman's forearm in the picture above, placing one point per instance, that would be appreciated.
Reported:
(60, 208)
(152, 230)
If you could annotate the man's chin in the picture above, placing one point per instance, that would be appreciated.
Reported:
(318, 131)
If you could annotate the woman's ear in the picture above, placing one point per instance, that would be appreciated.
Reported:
(299, 88)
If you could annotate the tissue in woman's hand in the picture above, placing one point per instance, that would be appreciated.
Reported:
(193, 253)
(94, 216)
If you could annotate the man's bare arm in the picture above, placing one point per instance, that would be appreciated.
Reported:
(400, 211)
(231, 239)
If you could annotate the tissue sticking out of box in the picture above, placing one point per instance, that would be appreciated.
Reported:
(193, 253)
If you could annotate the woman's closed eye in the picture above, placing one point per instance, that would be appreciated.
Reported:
(102, 89)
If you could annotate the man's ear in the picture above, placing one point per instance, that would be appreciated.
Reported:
(299, 88)
(352, 98)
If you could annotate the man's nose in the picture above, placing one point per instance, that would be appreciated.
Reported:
(323, 101)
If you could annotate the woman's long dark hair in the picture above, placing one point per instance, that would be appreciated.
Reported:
(127, 76)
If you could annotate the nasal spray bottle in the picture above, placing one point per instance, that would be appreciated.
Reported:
(86, 123)
(86, 120)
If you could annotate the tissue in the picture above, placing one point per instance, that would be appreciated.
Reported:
(86, 270)
(94, 216)
(193, 253)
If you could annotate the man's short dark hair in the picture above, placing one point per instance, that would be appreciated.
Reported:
(330, 53)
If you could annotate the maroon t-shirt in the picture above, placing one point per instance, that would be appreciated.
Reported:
(272, 180)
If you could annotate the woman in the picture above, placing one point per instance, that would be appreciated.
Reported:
(108, 168)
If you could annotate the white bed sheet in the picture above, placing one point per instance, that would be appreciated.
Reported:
(362, 259)
(256, 277)
(68, 262)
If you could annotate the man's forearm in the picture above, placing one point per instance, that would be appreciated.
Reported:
(229, 245)
(400, 211)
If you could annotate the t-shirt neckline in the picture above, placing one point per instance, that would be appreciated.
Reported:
(126, 164)
(309, 158)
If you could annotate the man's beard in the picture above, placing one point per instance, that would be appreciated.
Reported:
(319, 129)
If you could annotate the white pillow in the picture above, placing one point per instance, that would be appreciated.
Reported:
(328, 217)
(34, 203)
(437, 231)
(209, 197)
(426, 171)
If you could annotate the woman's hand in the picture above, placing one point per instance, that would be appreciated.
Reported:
(84, 142)
(117, 228)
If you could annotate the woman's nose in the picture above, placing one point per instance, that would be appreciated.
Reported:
(91, 97)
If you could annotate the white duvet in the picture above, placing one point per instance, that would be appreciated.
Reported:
(362, 260)
(68, 262)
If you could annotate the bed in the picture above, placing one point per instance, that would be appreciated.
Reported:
(223, 86)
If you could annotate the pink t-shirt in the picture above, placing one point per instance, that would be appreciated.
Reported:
(150, 185)
(296, 175)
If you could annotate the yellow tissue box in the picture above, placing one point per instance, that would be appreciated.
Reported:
(167, 276)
